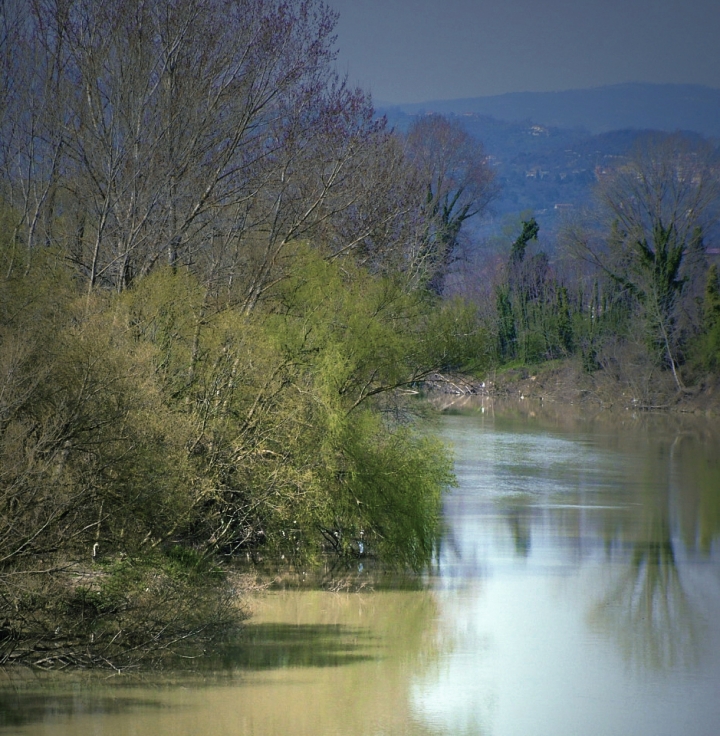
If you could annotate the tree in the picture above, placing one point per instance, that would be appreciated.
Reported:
(533, 311)
(530, 230)
(301, 437)
(204, 345)
(31, 139)
(459, 185)
(657, 207)
(205, 134)
(710, 336)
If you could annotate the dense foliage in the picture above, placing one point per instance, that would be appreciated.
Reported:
(138, 425)
(630, 291)
(216, 297)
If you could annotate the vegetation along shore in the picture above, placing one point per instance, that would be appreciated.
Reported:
(223, 284)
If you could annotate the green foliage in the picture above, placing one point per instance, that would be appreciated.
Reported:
(530, 230)
(457, 339)
(712, 297)
(536, 317)
(132, 419)
(706, 348)
(253, 396)
(564, 320)
(506, 330)
(143, 434)
(309, 408)
(89, 451)
(389, 482)
(653, 279)
(624, 296)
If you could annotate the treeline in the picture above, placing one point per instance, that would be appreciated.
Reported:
(630, 292)
(219, 286)
(222, 281)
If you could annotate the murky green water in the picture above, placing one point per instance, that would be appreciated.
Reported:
(577, 592)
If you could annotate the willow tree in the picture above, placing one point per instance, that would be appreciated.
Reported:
(208, 312)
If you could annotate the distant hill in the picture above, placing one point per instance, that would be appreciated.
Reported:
(547, 171)
(667, 107)
(548, 148)
(542, 170)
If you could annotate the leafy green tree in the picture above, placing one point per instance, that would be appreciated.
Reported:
(525, 303)
(564, 320)
(530, 230)
(507, 333)
(148, 432)
(710, 338)
(290, 407)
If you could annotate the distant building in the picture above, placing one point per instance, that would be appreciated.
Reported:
(538, 130)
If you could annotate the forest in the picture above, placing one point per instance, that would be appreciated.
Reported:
(223, 283)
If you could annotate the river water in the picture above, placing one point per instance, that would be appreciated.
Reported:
(576, 591)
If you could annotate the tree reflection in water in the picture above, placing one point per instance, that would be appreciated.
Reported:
(638, 495)
(647, 608)
(675, 497)
(521, 530)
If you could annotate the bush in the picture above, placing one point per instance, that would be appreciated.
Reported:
(145, 435)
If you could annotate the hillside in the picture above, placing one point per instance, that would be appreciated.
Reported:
(543, 170)
(548, 148)
(666, 107)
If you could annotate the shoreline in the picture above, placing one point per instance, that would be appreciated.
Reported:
(563, 383)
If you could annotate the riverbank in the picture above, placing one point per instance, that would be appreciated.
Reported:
(565, 382)
(596, 541)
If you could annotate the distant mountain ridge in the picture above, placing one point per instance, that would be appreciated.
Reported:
(667, 107)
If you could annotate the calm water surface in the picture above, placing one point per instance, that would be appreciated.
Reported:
(577, 591)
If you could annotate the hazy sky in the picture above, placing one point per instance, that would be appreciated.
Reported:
(417, 50)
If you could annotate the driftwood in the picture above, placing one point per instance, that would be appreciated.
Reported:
(454, 384)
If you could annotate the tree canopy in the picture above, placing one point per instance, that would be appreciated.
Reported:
(213, 308)
(459, 184)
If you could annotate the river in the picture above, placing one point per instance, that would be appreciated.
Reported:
(576, 591)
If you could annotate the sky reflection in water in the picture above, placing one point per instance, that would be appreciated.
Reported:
(579, 587)
(577, 591)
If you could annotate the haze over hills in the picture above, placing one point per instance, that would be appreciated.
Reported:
(544, 171)
(547, 148)
(667, 107)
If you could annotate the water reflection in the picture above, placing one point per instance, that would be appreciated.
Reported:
(521, 529)
(628, 497)
(22, 709)
(310, 662)
(647, 608)
(566, 535)
(577, 591)
(696, 474)
(276, 645)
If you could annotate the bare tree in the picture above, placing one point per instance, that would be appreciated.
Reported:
(171, 127)
(459, 185)
(31, 140)
(655, 210)
(177, 112)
